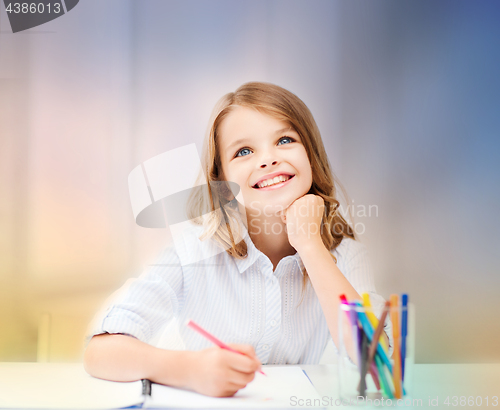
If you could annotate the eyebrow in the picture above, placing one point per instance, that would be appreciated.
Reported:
(243, 140)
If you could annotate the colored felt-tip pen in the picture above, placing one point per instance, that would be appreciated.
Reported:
(214, 340)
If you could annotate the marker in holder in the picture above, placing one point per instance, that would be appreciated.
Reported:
(368, 368)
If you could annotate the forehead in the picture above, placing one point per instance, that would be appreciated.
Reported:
(244, 122)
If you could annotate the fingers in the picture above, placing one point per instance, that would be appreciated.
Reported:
(228, 390)
(282, 214)
(240, 379)
(316, 202)
(247, 362)
(224, 372)
(235, 371)
(283, 217)
(307, 205)
(223, 387)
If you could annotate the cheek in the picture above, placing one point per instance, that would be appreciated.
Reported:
(235, 174)
(305, 165)
(307, 178)
(309, 170)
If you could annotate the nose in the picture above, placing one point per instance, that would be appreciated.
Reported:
(268, 156)
(265, 163)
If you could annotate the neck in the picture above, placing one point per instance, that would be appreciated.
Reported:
(268, 233)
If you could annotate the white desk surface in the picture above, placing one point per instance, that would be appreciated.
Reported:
(430, 381)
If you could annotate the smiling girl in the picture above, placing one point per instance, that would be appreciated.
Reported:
(274, 291)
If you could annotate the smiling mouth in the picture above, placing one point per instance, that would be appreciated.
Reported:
(273, 181)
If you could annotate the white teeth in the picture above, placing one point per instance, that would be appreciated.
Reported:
(273, 181)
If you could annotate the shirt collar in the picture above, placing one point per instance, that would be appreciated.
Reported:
(299, 262)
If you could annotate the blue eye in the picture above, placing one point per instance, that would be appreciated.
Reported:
(285, 140)
(243, 152)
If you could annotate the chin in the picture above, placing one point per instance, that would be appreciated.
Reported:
(275, 203)
(273, 208)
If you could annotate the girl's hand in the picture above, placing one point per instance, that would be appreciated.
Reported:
(303, 221)
(220, 373)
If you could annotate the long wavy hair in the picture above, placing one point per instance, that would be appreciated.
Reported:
(216, 208)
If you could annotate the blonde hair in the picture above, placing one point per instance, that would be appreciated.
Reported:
(223, 224)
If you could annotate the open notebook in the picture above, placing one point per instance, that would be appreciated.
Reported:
(63, 386)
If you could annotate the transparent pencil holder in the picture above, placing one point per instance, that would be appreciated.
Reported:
(368, 373)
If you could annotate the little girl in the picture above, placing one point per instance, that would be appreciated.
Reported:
(274, 290)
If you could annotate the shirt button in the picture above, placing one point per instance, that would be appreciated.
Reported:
(273, 322)
(265, 347)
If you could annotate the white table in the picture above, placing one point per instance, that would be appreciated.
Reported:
(433, 382)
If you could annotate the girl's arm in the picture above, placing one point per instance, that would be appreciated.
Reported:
(328, 283)
(303, 219)
(213, 371)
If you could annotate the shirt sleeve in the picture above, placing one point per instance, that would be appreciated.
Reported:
(354, 263)
(144, 306)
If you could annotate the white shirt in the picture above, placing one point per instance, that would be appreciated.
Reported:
(237, 300)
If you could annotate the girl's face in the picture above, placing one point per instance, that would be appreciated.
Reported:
(266, 158)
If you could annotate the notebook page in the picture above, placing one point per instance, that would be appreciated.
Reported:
(62, 386)
(281, 388)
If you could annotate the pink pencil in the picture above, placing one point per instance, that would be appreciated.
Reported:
(214, 340)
